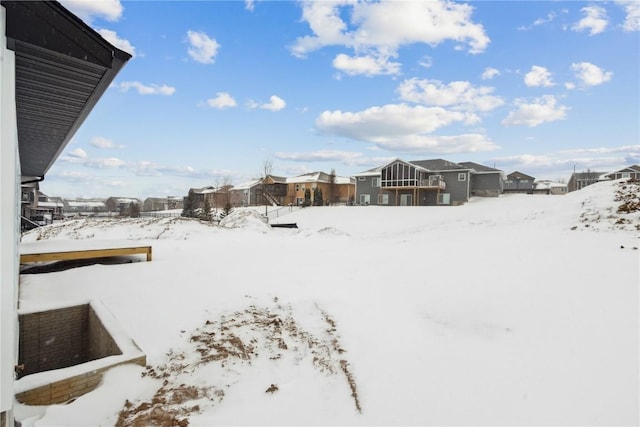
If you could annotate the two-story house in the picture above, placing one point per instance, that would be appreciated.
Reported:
(426, 183)
(518, 182)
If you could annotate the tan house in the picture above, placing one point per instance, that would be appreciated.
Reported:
(122, 205)
(320, 188)
(217, 197)
(152, 204)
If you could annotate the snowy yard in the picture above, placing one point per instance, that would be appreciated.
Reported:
(518, 310)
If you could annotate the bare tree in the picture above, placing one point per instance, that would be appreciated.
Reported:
(267, 168)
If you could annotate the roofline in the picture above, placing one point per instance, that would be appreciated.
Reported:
(47, 28)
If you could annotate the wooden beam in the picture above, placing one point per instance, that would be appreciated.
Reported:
(85, 254)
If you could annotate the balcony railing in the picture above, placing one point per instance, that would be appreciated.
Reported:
(433, 181)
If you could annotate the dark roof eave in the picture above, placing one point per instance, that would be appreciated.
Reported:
(46, 36)
(100, 89)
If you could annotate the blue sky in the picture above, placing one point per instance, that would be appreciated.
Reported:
(217, 88)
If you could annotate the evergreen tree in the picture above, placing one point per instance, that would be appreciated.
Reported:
(226, 210)
(205, 213)
(317, 197)
(333, 187)
(134, 210)
(307, 197)
(189, 208)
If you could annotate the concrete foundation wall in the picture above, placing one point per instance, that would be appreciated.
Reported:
(65, 390)
(61, 338)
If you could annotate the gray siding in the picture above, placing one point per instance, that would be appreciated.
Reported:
(460, 191)
(486, 185)
(364, 185)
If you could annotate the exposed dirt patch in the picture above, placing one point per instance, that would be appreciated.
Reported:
(230, 342)
(628, 194)
(624, 214)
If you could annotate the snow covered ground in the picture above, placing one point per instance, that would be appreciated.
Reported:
(506, 311)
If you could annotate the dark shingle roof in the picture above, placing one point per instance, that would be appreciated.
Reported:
(62, 68)
(438, 165)
(519, 175)
(478, 167)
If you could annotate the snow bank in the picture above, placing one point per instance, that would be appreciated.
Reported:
(503, 311)
(245, 219)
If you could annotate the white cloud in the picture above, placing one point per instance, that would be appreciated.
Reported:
(403, 128)
(489, 73)
(110, 162)
(111, 10)
(78, 153)
(632, 19)
(326, 24)
(202, 48)
(345, 157)
(600, 159)
(100, 142)
(123, 44)
(275, 104)
(538, 76)
(460, 95)
(541, 110)
(595, 20)
(540, 21)
(590, 74)
(376, 30)
(249, 5)
(426, 62)
(142, 89)
(628, 149)
(139, 168)
(221, 101)
(367, 65)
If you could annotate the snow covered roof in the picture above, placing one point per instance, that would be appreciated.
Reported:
(545, 184)
(50, 204)
(629, 169)
(246, 185)
(308, 177)
(85, 203)
(438, 165)
(341, 180)
(370, 172)
(318, 177)
(126, 200)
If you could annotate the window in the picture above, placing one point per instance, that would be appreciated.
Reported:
(524, 181)
(375, 182)
(444, 199)
(365, 199)
(383, 199)
(462, 176)
(361, 178)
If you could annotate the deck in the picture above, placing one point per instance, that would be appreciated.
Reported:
(44, 251)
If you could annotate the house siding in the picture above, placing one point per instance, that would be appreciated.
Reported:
(486, 185)
(460, 191)
(9, 226)
(365, 187)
